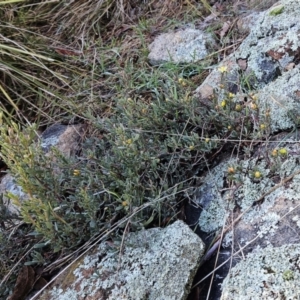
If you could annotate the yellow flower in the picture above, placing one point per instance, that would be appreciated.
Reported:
(223, 103)
(230, 95)
(187, 99)
(76, 172)
(274, 152)
(238, 107)
(124, 203)
(129, 141)
(222, 69)
(229, 127)
(262, 126)
(207, 140)
(283, 152)
(192, 147)
(253, 106)
(254, 97)
(257, 174)
(144, 110)
(180, 80)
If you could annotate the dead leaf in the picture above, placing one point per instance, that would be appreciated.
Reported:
(24, 283)
(225, 29)
(40, 283)
(297, 93)
(67, 52)
(242, 64)
(275, 54)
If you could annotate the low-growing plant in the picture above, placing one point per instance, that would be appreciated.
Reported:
(148, 151)
(149, 138)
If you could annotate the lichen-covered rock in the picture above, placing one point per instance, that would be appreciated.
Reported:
(246, 191)
(187, 45)
(268, 60)
(66, 138)
(155, 264)
(263, 195)
(8, 185)
(270, 273)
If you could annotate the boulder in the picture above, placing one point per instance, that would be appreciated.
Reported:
(255, 206)
(188, 45)
(156, 264)
(266, 61)
(269, 273)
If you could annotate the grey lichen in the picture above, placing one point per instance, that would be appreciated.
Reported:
(270, 273)
(186, 45)
(280, 100)
(153, 264)
(214, 212)
(271, 33)
(247, 191)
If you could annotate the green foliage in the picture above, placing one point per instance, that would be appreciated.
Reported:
(146, 154)
(148, 137)
(148, 159)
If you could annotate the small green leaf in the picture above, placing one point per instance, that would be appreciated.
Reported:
(277, 10)
(41, 245)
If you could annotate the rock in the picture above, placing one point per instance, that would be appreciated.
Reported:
(189, 45)
(268, 60)
(270, 273)
(255, 210)
(156, 264)
(65, 138)
(245, 23)
(8, 185)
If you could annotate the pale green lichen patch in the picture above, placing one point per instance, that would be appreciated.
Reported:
(213, 215)
(280, 99)
(216, 209)
(271, 33)
(153, 264)
(270, 273)
(245, 190)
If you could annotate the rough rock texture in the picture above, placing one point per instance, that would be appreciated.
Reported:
(267, 208)
(157, 264)
(270, 273)
(187, 45)
(262, 201)
(8, 185)
(65, 138)
(265, 60)
(272, 44)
